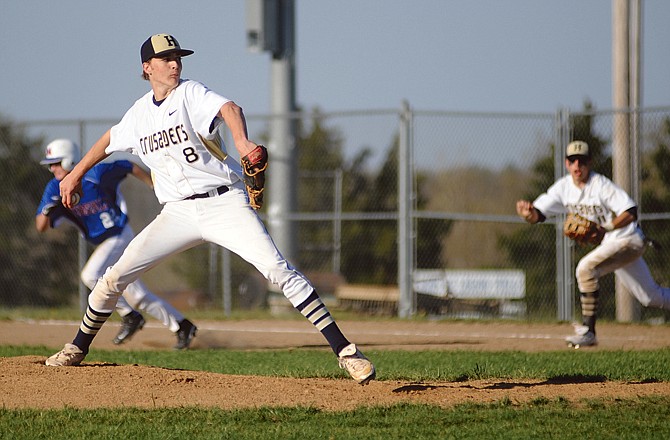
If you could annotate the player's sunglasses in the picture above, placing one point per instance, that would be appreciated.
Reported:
(581, 159)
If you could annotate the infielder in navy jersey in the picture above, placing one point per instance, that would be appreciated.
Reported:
(620, 241)
(101, 218)
(173, 129)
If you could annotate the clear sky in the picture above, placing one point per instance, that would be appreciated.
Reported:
(80, 59)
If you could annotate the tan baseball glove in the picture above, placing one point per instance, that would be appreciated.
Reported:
(254, 165)
(581, 229)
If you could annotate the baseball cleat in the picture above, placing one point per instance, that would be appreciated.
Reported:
(582, 337)
(185, 334)
(132, 322)
(69, 356)
(357, 365)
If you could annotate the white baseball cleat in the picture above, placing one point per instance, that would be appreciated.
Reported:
(356, 364)
(582, 337)
(69, 356)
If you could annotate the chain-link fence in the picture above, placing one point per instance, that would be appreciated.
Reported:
(397, 212)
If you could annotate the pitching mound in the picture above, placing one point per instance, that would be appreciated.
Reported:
(27, 383)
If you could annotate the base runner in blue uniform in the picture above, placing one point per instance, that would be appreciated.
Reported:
(102, 220)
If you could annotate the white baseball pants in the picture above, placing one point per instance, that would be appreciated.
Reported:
(136, 294)
(226, 220)
(624, 258)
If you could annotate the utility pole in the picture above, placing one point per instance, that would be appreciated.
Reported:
(623, 161)
(271, 28)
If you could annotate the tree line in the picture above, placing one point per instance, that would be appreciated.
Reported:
(42, 271)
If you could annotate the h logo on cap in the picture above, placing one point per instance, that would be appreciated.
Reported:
(169, 39)
(577, 148)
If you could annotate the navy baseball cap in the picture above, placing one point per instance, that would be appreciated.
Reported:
(160, 45)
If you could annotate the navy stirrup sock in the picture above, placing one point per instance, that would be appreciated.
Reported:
(90, 325)
(317, 313)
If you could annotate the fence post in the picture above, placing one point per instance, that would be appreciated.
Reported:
(226, 282)
(82, 245)
(406, 302)
(212, 272)
(564, 276)
(337, 222)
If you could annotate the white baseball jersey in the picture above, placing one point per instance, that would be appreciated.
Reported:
(600, 201)
(178, 141)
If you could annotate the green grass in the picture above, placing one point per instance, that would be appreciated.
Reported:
(634, 418)
(643, 418)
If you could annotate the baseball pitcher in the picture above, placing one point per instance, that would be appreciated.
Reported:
(206, 197)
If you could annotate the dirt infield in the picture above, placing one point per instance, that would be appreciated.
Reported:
(25, 381)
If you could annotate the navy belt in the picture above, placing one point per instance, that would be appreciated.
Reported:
(212, 193)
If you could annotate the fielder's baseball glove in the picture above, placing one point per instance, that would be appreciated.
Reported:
(254, 165)
(581, 229)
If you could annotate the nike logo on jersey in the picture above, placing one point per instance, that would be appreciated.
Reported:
(172, 112)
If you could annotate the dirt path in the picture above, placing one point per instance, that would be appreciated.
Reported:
(26, 382)
(437, 335)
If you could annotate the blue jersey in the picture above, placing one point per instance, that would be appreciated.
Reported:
(98, 215)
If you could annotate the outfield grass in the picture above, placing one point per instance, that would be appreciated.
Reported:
(645, 418)
(641, 418)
